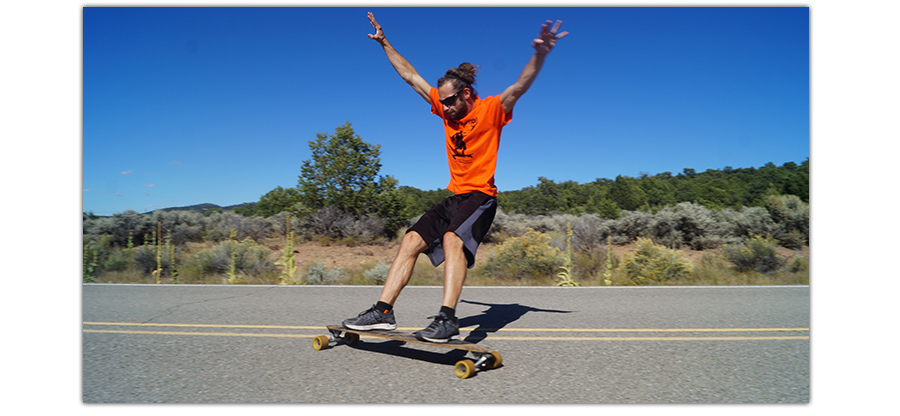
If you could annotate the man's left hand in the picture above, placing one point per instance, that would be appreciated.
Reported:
(545, 42)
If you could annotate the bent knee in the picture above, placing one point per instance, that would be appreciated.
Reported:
(451, 241)
(412, 244)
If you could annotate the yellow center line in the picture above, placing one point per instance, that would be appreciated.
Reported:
(493, 338)
(647, 338)
(320, 327)
(206, 334)
(622, 329)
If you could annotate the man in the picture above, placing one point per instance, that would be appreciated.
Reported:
(451, 231)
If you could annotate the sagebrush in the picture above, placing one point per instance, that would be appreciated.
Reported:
(757, 253)
(653, 263)
(524, 257)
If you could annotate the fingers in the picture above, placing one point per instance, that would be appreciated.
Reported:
(545, 42)
(378, 33)
(555, 27)
(373, 22)
(546, 29)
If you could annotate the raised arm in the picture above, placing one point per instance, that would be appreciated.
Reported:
(401, 65)
(543, 44)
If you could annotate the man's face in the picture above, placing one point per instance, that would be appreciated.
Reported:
(457, 107)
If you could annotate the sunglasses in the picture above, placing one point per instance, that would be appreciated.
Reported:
(451, 99)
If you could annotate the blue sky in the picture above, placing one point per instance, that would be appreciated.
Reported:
(183, 106)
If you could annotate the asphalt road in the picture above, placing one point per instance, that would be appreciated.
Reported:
(253, 344)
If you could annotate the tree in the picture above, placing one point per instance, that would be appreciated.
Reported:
(343, 173)
(247, 209)
(276, 201)
(626, 193)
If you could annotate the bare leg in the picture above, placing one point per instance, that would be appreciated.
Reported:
(401, 269)
(454, 269)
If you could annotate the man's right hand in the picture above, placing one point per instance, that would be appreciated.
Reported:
(379, 34)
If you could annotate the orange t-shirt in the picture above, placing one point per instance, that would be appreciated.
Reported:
(472, 144)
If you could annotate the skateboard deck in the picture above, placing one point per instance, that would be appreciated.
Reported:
(485, 358)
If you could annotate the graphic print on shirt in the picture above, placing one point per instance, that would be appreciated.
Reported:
(460, 146)
(459, 143)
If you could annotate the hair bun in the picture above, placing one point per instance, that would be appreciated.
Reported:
(462, 76)
(467, 72)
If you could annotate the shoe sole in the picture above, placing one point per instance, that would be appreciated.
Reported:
(386, 327)
(438, 341)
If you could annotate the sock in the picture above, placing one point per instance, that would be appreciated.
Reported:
(383, 307)
(450, 312)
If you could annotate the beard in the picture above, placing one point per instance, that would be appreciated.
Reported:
(457, 113)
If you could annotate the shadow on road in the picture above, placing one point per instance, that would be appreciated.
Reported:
(496, 317)
(396, 348)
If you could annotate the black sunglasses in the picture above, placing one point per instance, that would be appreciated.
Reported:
(451, 99)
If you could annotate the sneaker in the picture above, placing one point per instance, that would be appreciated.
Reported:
(372, 319)
(442, 330)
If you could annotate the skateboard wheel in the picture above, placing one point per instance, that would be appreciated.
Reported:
(320, 342)
(351, 338)
(465, 369)
(495, 361)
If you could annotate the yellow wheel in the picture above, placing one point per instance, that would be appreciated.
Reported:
(495, 361)
(320, 342)
(465, 369)
(351, 338)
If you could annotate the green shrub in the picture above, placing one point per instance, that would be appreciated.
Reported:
(249, 258)
(218, 226)
(653, 263)
(750, 221)
(587, 233)
(332, 223)
(89, 263)
(800, 264)
(524, 257)
(792, 215)
(145, 259)
(692, 225)
(116, 263)
(756, 254)
(792, 239)
(318, 274)
(516, 225)
(630, 226)
(378, 274)
(119, 226)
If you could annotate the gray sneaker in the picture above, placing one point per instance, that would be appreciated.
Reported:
(442, 330)
(372, 319)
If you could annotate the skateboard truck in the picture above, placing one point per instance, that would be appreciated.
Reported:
(482, 359)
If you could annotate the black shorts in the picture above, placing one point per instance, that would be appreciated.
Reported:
(467, 215)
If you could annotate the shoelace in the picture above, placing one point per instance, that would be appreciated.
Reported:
(439, 321)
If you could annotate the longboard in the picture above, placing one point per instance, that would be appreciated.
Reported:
(485, 358)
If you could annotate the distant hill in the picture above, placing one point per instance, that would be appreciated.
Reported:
(201, 208)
